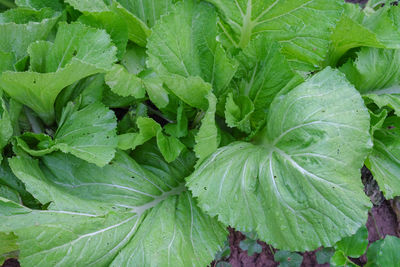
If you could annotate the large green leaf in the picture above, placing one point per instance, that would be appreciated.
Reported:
(133, 196)
(300, 188)
(193, 61)
(292, 23)
(89, 134)
(384, 161)
(77, 52)
(21, 26)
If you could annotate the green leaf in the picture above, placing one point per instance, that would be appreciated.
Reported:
(374, 71)
(138, 31)
(180, 128)
(54, 66)
(207, 140)
(383, 162)
(251, 246)
(264, 73)
(114, 26)
(8, 193)
(288, 259)
(8, 246)
(363, 28)
(36, 144)
(6, 130)
(20, 27)
(384, 252)
(39, 4)
(88, 6)
(193, 61)
(377, 120)
(386, 100)
(124, 83)
(303, 180)
(354, 246)
(137, 193)
(304, 42)
(89, 134)
(170, 147)
(324, 255)
(339, 259)
(238, 112)
(8, 179)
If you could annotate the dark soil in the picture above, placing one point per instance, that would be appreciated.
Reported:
(11, 263)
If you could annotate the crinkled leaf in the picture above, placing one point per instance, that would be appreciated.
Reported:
(148, 128)
(207, 140)
(238, 111)
(89, 134)
(374, 71)
(193, 61)
(391, 101)
(304, 179)
(114, 26)
(77, 52)
(20, 27)
(384, 252)
(384, 160)
(304, 42)
(124, 83)
(264, 73)
(170, 147)
(363, 28)
(139, 194)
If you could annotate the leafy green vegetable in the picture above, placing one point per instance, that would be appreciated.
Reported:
(304, 42)
(88, 133)
(296, 182)
(57, 65)
(131, 195)
(133, 132)
(192, 63)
